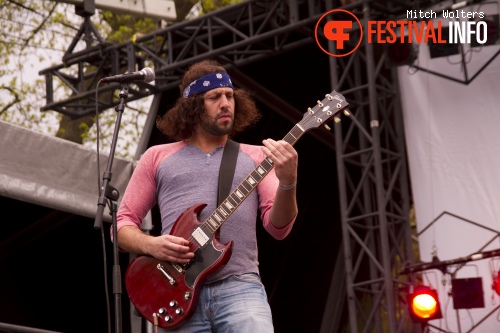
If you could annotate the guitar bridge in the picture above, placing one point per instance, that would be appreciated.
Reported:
(177, 267)
(169, 277)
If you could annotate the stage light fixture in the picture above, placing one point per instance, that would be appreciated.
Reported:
(437, 50)
(496, 283)
(423, 304)
(400, 53)
(467, 293)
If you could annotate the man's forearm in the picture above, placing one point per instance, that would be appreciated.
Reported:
(133, 239)
(284, 208)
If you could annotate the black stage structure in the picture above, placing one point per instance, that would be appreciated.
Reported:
(338, 271)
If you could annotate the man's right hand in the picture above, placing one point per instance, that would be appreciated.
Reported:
(170, 248)
(165, 247)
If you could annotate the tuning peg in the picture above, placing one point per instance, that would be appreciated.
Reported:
(336, 119)
(319, 104)
(347, 113)
(327, 127)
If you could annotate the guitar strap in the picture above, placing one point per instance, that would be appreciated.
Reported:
(227, 167)
(226, 173)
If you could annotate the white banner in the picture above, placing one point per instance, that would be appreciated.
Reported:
(453, 143)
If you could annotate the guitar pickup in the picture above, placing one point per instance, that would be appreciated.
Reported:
(200, 236)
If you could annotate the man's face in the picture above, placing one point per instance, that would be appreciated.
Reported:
(219, 107)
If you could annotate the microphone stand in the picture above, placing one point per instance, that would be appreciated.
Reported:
(110, 193)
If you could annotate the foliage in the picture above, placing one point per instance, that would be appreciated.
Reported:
(32, 30)
(211, 5)
(36, 36)
(27, 48)
(123, 27)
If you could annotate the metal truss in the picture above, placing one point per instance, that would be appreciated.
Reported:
(237, 35)
(370, 148)
(374, 190)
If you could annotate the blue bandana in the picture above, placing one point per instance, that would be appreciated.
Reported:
(206, 83)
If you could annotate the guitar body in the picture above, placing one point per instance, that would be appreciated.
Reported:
(166, 292)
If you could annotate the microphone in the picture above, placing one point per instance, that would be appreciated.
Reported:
(146, 75)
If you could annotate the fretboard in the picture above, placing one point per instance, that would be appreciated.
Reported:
(235, 198)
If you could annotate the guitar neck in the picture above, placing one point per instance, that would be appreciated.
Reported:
(325, 110)
(235, 198)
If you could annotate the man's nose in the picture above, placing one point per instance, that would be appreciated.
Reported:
(224, 101)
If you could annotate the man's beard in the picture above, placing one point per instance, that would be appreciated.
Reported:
(209, 124)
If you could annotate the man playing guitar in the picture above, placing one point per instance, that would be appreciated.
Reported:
(176, 176)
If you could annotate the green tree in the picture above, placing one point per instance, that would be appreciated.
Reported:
(39, 32)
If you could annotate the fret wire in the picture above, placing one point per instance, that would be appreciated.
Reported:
(255, 175)
(242, 189)
(215, 221)
(269, 163)
(297, 132)
(243, 184)
(212, 223)
(250, 179)
(289, 138)
(228, 205)
(267, 167)
(230, 197)
(211, 228)
(238, 191)
(218, 218)
(223, 211)
(235, 204)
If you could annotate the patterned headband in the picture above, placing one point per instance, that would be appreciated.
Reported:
(206, 83)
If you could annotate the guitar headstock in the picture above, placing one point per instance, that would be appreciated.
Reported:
(323, 111)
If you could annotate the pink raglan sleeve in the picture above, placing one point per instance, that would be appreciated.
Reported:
(140, 194)
(267, 191)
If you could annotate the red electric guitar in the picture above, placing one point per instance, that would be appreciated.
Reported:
(166, 293)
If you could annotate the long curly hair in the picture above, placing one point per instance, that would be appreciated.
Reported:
(180, 122)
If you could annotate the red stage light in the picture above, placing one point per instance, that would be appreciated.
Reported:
(496, 283)
(423, 304)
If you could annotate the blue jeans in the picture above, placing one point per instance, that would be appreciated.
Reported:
(237, 304)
